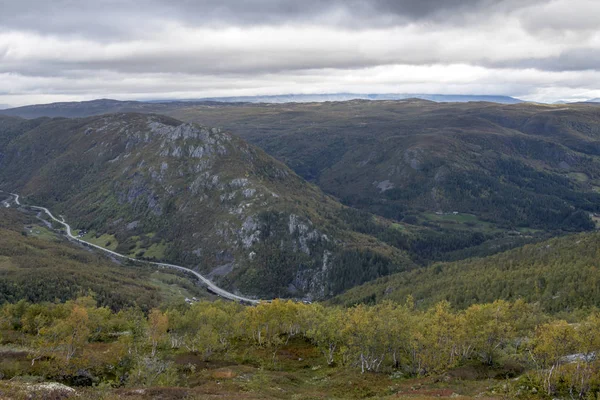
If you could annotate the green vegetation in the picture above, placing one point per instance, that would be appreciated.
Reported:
(37, 265)
(40, 232)
(560, 274)
(159, 189)
(515, 174)
(286, 350)
(513, 165)
(107, 241)
(438, 191)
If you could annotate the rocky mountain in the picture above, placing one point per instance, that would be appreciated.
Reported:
(154, 187)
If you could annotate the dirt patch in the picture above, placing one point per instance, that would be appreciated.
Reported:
(428, 392)
(224, 373)
(166, 393)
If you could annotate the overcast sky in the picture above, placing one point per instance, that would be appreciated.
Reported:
(63, 50)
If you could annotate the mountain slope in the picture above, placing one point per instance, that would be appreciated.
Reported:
(517, 166)
(155, 187)
(36, 265)
(561, 274)
(508, 171)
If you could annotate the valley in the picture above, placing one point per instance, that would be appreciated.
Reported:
(299, 200)
(431, 182)
(212, 288)
(430, 258)
(210, 201)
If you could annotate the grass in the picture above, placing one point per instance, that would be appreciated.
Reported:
(399, 227)
(40, 232)
(578, 176)
(175, 288)
(157, 251)
(106, 240)
(461, 220)
(154, 251)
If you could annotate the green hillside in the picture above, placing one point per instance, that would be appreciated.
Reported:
(154, 187)
(560, 274)
(37, 265)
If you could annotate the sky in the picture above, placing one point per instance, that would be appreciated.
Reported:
(71, 50)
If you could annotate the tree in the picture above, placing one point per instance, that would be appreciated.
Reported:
(36, 318)
(394, 326)
(158, 323)
(588, 347)
(435, 337)
(489, 327)
(69, 335)
(552, 342)
(364, 337)
(323, 328)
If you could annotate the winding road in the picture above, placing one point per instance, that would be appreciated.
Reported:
(211, 286)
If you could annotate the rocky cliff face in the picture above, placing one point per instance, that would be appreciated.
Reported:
(154, 187)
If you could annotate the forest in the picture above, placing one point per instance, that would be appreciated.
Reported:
(559, 274)
(83, 345)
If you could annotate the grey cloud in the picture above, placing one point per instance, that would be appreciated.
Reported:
(112, 18)
(576, 59)
(84, 47)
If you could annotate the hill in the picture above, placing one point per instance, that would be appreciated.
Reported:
(310, 98)
(156, 188)
(561, 274)
(37, 265)
(512, 173)
(78, 109)
(515, 166)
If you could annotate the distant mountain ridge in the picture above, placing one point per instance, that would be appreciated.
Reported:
(307, 98)
(79, 109)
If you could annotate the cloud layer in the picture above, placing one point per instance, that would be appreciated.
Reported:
(541, 50)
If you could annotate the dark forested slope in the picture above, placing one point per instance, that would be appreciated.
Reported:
(523, 165)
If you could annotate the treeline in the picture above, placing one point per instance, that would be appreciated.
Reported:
(83, 344)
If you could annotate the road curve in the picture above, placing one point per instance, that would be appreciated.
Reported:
(214, 288)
